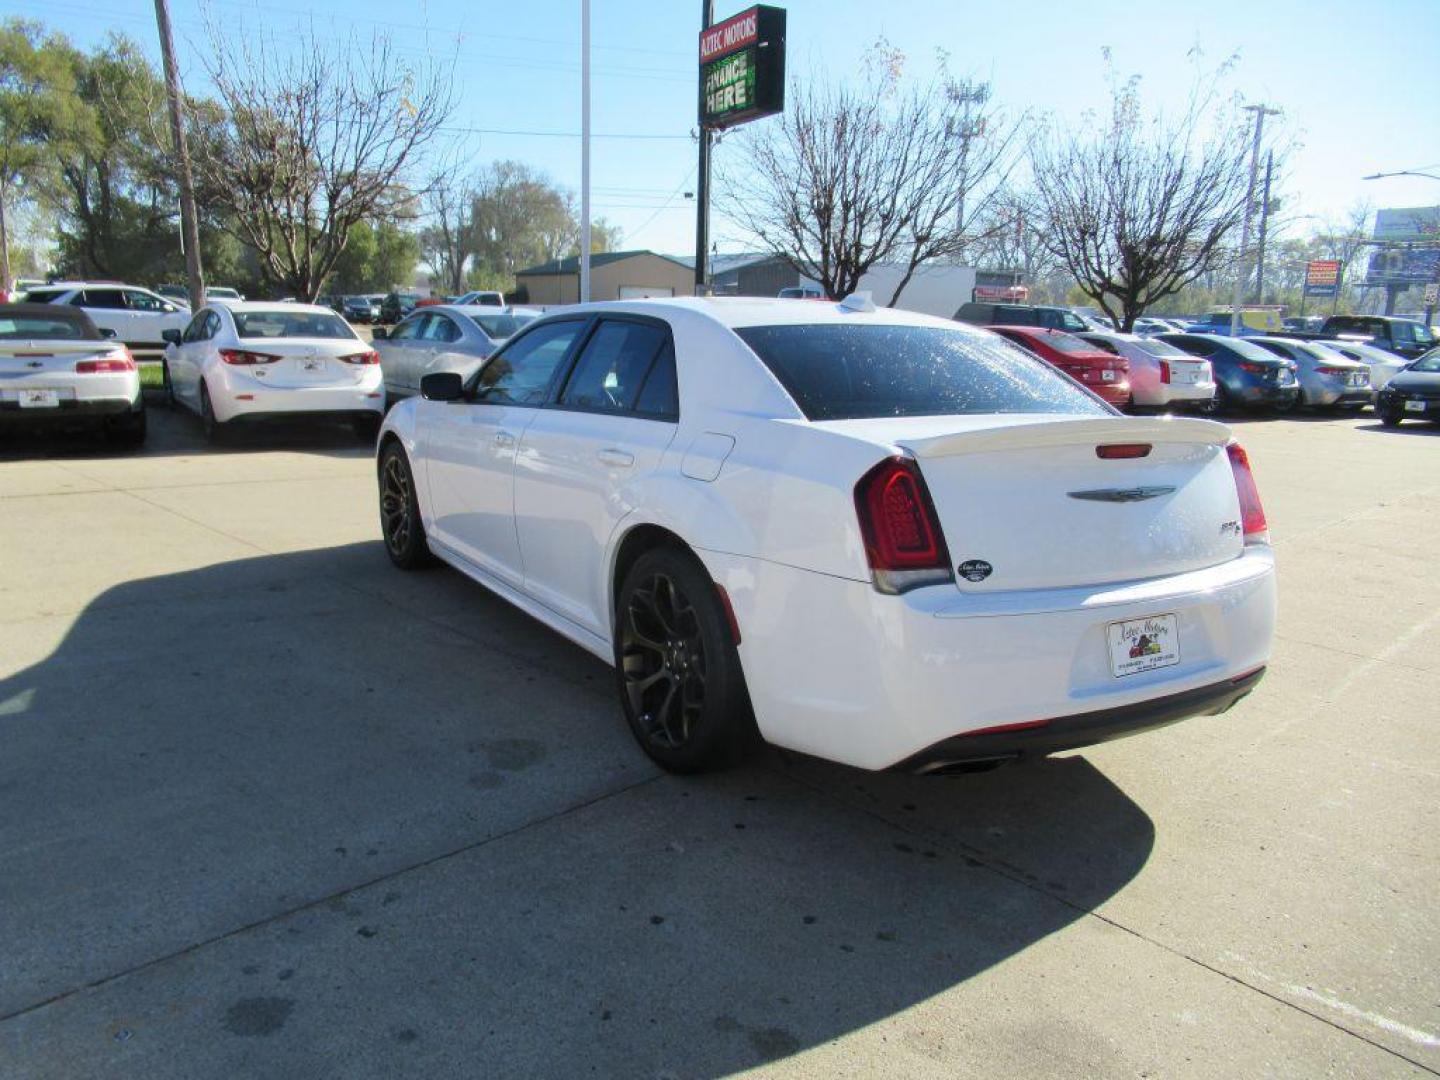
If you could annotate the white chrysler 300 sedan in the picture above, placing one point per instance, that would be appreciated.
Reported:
(239, 362)
(873, 536)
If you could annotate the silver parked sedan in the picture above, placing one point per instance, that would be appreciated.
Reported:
(1328, 379)
(443, 337)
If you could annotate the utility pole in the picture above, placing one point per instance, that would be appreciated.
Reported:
(1260, 111)
(189, 223)
(702, 183)
(584, 151)
(1264, 217)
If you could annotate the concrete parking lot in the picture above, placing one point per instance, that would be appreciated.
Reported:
(269, 807)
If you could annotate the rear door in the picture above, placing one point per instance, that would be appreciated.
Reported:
(468, 447)
(107, 310)
(580, 457)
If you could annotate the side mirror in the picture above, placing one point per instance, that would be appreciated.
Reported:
(442, 386)
(106, 332)
(378, 333)
(171, 336)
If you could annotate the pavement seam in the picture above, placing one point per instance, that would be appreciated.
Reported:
(992, 863)
(310, 905)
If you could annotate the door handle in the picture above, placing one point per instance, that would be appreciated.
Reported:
(504, 438)
(618, 458)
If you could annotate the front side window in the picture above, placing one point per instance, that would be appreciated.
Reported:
(613, 366)
(139, 301)
(521, 373)
(441, 329)
(409, 330)
(845, 371)
(196, 330)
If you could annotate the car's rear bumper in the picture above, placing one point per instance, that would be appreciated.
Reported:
(1050, 736)
(69, 410)
(838, 670)
(1175, 394)
(1265, 393)
(240, 401)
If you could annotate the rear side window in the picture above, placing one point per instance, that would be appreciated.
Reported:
(844, 372)
(100, 298)
(613, 365)
(659, 397)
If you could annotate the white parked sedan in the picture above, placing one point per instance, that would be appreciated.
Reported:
(255, 361)
(56, 367)
(1160, 374)
(870, 535)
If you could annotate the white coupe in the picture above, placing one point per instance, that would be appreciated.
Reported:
(877, 537)
(255, 361)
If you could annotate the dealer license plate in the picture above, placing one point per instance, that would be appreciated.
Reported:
(39, 399)
(1414, 406)
(1357, 378)
(1138, 645)
(1287, 376)
(1107, 376)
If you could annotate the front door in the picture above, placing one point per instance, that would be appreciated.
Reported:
(580, 458)
(470, 446)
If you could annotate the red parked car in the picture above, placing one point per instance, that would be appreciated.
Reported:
(1102, 372)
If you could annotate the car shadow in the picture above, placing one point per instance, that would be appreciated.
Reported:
(410, 823)
(1410, 427)
(174, 430)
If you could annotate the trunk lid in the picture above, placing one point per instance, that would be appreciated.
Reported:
(306, 361)
(33, 364)
(1031, 497)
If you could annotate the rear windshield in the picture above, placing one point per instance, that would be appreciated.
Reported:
(1160, 348)
(498, 326)
(1067, 344)
(286, 324)
(55, 327)
(44, 296)
(847, 372)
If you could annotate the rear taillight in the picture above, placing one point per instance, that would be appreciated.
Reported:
(903, 541)
(1252, 514)
(246, 358)
(113, 364)
(1164, 371)
(369, 357)
(1253, 368)
(1332, 371)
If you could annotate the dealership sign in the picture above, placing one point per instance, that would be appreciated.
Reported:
(1322, 276)
(742, 68)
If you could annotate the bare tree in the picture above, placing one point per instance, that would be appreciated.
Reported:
(447, 239)
(873, 172)
(316, 138)
(1010, 237)
(1137, 207)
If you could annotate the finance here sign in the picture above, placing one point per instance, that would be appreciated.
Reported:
(742, 68)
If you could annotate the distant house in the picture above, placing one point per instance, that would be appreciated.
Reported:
(614, 275)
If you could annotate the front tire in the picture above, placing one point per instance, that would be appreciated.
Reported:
(677, 667)
(400, 523)
(1390, 416)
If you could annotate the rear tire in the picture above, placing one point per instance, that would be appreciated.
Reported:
(400, 523)
(127, 430)
(216, 431)
(677, 668)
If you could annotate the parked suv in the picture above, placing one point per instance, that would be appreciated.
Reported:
(1051, 318)
(137, 317)
(397, 305)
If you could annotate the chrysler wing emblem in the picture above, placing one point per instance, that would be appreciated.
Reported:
(1121, 495)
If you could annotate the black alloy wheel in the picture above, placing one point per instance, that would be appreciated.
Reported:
(215, 430)
(679, 673)
(400, 512)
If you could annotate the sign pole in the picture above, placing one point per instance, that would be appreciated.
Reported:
(584, 151)
(702, 183)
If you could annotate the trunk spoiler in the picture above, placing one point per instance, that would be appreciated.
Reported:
(1053, 431)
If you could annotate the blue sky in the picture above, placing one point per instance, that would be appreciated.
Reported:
(1358, 83)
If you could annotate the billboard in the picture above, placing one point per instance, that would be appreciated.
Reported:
(1322, 277)
(1407, 224)
(742, 68)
